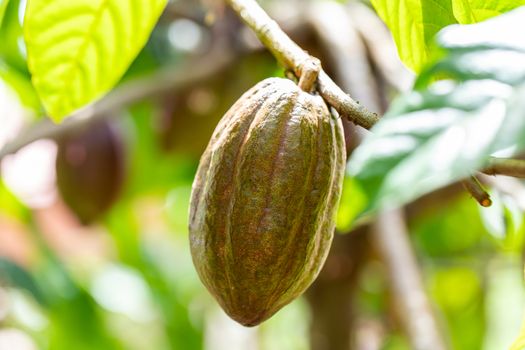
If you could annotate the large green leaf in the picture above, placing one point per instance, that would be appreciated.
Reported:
(448, 129)
(12, 47)
(473, 11)
(414, 23)
(78, 50)
(21, 84)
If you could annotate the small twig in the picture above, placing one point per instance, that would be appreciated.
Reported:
(505, 166)
(310, 72)
(474, 187)
(159, 82)
(415, 311)
(291, 56)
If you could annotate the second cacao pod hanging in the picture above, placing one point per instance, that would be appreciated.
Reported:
(90, 168)
(264, 199)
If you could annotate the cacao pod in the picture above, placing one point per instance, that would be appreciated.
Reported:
(90, 170)
(264, 198)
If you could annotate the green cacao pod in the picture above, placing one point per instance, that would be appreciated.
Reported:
(264, 198)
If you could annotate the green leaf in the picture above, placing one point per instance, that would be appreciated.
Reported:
(447, 130)
(3, 6)
(12, 47)
(414, 23)
(353, 201)
(504, 221)
(78, 50)
(473, 11)
(451, 230)
(457, 290)
(10, 206)
(21, 84)
(16, 276)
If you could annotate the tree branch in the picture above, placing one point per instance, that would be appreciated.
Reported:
(474, 187)
(505, 166)
(332, 295)
(166, 79)
(284, 49)
(391, 239)
(346, 51)
(291, 56)
(389, 231)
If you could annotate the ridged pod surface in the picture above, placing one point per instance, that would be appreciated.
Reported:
(264, 199)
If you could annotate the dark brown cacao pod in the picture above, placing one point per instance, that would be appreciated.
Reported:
(264, 199)
(90, 170)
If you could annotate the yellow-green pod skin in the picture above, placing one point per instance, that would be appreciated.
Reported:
(264, 199)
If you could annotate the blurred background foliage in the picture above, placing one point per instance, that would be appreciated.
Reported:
(120, 276)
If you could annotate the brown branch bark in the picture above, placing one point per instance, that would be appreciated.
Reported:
(474, 187)
(159, 82)
(291, 56)
(505, 166)
(346, 51)
(391, 239)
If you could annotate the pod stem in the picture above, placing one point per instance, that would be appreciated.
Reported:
(293, 57)
(309, 73)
